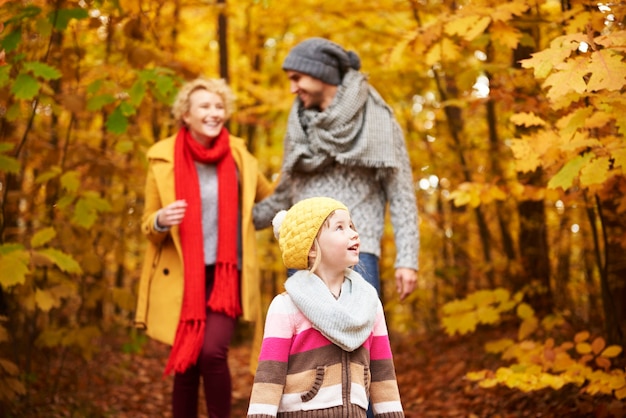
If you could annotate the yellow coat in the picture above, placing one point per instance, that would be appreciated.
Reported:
(160, 291)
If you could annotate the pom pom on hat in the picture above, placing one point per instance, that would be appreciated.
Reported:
(277, 221)
(298, 227)
(322, 59)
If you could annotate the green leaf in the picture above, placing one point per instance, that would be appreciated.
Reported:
(4, 75)
(93, 87)
(566, 175)
(84, 215)
(10, 42)
(98, 102)
(14, 268)
(42, 237)
(124, 147)
(9, 164)
(39, 69)
(25, 13)
(137, 93)
(71, 181)
(117, 123)
(49, 174)
(87, 209)
(25, 87)
(6, 146)
(61, 18)
(14, 112)
(63, 261)
(127, 109)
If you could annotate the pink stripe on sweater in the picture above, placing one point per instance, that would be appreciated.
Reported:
(380, 349)
(275, 349)
(307, 340)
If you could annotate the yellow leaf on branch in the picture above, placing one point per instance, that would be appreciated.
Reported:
(595, 172)
(608, 71)
(527, 119)
(468, 27)
(612, 351)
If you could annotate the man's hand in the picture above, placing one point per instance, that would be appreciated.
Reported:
(406, 279)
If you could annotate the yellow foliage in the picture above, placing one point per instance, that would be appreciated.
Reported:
(462, 324)
(474, 376)
(596, 172)
(505, 34)
(612, 351)
(487, 315)
(498, 346)
(581, 336)
(528, 326)
(525, 311)
(527, 119)
(468, 27)
(598, 345)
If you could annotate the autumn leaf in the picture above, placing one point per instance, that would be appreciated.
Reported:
(568, 76)
(63, 261)
(569, 124)
(42, 237)
(527, 327)
(498, 346)
(44, 300)
(487, 315)
(608, 71)
(468, 27)
(505, 35)
(581, 336)
(527, 119)
(595, 172)
(504, 12)
(543, 62)
(611, 351)
(525, 311)
(14, 268)
(71, 181)
(566, 175)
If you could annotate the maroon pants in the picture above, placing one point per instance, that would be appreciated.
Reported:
(212, 366)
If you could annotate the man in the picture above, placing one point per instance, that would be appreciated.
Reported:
(342, 141)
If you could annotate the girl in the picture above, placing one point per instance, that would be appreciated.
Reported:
(325, 351)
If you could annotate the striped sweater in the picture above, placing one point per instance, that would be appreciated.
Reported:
(302, 374)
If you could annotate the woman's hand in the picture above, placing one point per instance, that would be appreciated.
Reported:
(172, 214)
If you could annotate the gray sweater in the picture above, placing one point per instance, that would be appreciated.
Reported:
(365, 191)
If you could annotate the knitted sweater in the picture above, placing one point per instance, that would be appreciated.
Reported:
(365, 191)
(301, 374)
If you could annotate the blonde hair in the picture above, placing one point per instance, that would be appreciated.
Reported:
(212, 85)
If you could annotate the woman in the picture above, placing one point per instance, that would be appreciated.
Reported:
(200, 272)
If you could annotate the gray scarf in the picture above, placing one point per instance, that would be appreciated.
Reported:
(347, 321)
(357, 129)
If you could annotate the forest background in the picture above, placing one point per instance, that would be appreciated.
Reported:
(513, 113)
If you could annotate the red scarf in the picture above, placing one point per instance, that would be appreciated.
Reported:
(225, 295)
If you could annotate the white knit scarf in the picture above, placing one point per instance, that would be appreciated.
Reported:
(347, 321)
(357, 129)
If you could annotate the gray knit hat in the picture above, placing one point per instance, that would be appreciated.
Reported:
(322, 59)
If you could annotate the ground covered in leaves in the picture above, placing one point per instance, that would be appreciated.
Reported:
(129, 383)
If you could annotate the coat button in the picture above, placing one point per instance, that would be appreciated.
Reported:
(166, 271)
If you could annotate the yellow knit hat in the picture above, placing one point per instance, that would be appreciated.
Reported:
(296, 228)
